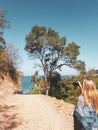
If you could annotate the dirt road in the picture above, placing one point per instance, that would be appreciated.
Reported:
(32, 112)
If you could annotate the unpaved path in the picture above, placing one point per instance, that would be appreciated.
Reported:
(32, 112)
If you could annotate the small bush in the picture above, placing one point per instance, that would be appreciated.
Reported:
(35, 91)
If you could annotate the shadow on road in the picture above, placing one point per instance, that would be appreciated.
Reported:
(9, 118)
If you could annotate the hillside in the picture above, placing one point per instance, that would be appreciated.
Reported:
(6, 87)
(34, 112)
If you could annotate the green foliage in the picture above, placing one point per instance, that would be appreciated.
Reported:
(65, 89)
(54, 79)
(16, 76)
(8, 54)
(8, 66)
(95, 79)
(4, 24)
(91, 73)
(3, 61)
(3, 53)
(35, 78)
(52, 51)
(35, 91)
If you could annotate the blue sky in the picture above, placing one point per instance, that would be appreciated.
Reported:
(75, 19)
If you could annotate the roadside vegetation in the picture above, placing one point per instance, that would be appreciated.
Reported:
(64, 88)
(9, 58)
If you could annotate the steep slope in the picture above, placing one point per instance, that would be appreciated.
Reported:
(6, 87)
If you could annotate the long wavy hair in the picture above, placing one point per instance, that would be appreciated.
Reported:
(90, 93)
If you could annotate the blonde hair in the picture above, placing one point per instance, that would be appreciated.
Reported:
(90, 93)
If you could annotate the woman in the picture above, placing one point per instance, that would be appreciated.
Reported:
(86, 110)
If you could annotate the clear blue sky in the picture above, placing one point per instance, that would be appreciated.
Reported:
(75, 19)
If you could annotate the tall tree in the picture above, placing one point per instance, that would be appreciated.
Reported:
(35, 78)
(13, 54)
(8, 53)
(51, 50)
(4, 24)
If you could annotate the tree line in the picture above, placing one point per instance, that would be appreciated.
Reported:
(9, 57)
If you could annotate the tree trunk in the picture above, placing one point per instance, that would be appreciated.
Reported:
(47, 85)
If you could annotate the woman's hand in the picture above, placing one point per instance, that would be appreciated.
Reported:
(80, 85)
